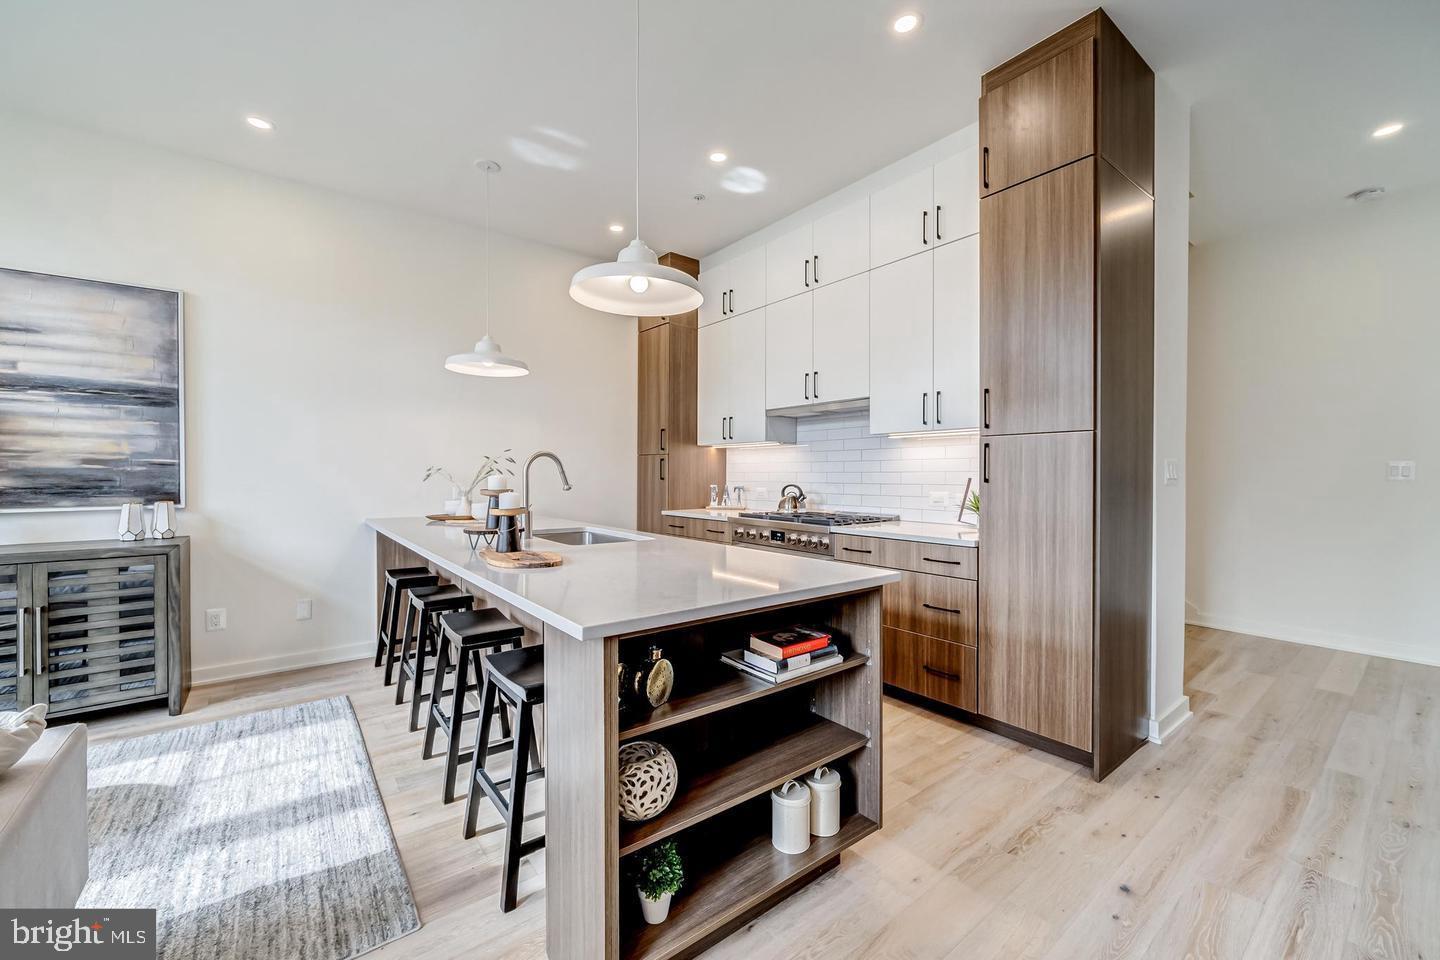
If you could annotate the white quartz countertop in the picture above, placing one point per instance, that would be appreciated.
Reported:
(952, 534)
(612, 588)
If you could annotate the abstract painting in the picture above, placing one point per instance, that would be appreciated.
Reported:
(91, 410)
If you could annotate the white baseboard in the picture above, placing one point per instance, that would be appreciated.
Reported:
(1370, 646)
(1170, 720)
(259, 666)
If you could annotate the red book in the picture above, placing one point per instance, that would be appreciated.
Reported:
(784, 644)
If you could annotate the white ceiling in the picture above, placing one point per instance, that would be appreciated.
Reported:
(395, 100)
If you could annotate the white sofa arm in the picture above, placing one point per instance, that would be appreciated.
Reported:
(44, 835)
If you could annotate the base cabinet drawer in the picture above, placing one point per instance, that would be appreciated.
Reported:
(937, 669)
(713, 530)
(675, 526)
(940, 607)
(936, 558)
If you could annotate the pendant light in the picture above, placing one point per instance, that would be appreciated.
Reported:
(488, 360)
(635, 284)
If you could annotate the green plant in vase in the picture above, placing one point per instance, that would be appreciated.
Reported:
(659, 872)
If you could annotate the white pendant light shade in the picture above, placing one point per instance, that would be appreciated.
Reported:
(486, 361)
(636, 285)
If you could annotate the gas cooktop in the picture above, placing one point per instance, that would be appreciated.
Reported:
(819, 519)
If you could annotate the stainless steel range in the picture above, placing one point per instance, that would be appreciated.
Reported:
(801, 532)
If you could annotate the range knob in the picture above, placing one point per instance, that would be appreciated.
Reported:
(751, 534)
(822, 543)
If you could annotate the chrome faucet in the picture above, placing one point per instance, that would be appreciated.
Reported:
(525, 490)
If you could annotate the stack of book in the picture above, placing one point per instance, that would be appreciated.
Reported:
(776, 656)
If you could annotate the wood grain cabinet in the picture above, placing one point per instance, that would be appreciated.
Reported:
(90, 625)
(1066, 374)
(673, 470)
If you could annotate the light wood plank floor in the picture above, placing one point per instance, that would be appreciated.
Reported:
(1296, 815)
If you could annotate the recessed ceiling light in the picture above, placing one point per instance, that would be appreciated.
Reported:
(616, 227)
(906, 22)
(260, 123)
(719, 156)
(1389, 130)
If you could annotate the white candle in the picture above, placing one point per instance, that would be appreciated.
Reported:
(509, 501)
(496, 481)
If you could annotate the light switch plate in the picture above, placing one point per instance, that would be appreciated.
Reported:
(1172, 472)
(215, 619)
(1400, 470)
(304, 609)
(939, 498)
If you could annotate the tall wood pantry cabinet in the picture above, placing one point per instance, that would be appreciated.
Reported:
(673, 472)
(1066, 376)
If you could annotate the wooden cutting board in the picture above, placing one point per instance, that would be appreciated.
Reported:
(523, 559)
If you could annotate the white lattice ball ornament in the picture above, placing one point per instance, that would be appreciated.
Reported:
(648, 777)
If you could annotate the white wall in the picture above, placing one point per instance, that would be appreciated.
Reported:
(1168, 704)
(841, 466)
(1313, 350)
(316, 327)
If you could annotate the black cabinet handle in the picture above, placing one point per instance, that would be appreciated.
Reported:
(985, 167)
(732, 301)
(807, 386)
(807, 273)
(662, 468)
(925, 226)
(940, 673)
(986, 404)
(724, 310)
(676, 526)
(662, 438)
(722, 428)
(815, 271)
(953, 563)
(855, 550)
(732, 428)
(817, 384)
(937, 237)
(931, 606)
(721, 532)
(985, 463)
(937, 392)
(925, 408)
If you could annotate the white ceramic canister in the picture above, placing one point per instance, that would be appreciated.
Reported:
(824, 787)
(790, 817)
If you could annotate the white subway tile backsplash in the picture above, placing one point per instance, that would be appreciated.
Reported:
(843, 467)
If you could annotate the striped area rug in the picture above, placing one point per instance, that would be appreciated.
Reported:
(261, 837)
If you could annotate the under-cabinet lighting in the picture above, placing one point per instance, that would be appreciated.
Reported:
(260, 123)
(1389, 130)
(936, 433)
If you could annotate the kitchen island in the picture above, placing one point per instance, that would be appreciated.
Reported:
(734, 738)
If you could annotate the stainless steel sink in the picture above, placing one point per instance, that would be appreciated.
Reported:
(584, 536)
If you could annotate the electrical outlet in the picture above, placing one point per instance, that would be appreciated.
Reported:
(215, 619)
(939, 498)
(1400, 470)
(1172, 472)
(304, 609)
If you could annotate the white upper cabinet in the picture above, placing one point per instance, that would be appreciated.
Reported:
(901, 219)
(712, 384)
(787, 264)
(901, 345)
(715, 288)
(747, 283)
(842, 243)
(789, 352)
(957, 201)
(957, 335)
(842, 341)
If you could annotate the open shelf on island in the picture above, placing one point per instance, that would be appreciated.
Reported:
(725, 890)
(729, 692)
(816, 743)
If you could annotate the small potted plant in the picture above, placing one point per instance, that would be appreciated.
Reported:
(461, 493)
(658, 874)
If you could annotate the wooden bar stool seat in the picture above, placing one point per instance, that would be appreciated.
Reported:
(518, 677)
(485, 631)
(422, 639)
(387, 636)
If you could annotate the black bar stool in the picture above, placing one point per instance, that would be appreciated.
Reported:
(486, 630)
(421, 639)
(387, 637)
(518, 676)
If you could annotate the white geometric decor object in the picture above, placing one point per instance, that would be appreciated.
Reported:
(162, 523)
(648, 778)
(132, 521)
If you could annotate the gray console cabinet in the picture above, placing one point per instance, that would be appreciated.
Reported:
(93, 624)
